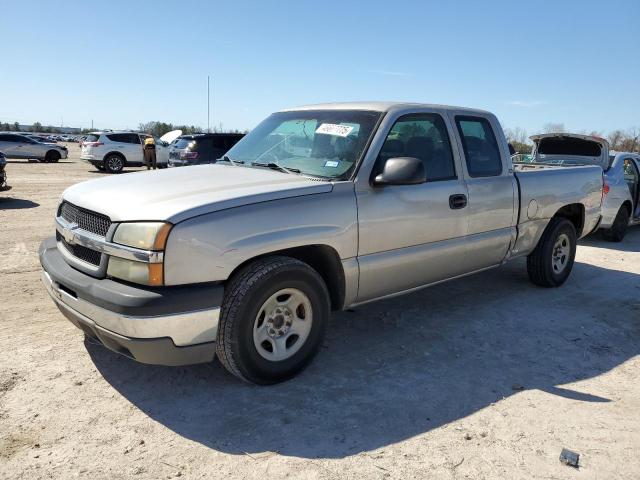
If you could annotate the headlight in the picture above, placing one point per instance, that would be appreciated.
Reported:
(145, 236)
(148, 235)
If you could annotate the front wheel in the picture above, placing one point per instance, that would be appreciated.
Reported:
(619, 228)
(550, 264)
(52, 157)
(273, 319)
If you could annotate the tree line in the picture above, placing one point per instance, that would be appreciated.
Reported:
(619, 140)
(36, 127)
(160, 128)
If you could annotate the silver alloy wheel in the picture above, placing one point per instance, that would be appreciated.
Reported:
(560, 253)
(115, 163)
(283, 324)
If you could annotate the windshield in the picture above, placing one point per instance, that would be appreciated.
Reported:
(325, 143)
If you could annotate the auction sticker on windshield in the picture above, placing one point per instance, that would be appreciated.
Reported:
(333, 129)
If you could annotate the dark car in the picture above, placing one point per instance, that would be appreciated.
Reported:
(201, 148)
(3, 174)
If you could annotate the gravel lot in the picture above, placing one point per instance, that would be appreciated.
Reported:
(485, 377)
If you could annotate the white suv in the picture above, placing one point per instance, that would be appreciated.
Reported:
(111, 151)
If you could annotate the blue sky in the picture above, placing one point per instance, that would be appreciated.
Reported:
(122, 63)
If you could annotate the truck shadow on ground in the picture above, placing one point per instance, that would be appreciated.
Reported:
(399, 368)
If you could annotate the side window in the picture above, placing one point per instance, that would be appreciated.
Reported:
(423, 136)
(629, 169)
(117, 137)
(480, 147)
(133, 138)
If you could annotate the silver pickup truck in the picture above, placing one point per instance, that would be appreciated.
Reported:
(319, 208)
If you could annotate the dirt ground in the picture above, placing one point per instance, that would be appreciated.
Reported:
(484, 377)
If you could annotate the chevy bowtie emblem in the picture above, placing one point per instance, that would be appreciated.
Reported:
(69, 234)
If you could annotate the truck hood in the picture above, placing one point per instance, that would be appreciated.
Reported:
(176, 194)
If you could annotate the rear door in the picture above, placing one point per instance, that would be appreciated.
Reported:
(122, 143)
(133, 148)
(491, 189)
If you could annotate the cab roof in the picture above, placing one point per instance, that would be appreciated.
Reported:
(379, 107)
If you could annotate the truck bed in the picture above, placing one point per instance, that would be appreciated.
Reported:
(545, 189)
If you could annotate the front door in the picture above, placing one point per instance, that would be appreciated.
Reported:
(413, 235)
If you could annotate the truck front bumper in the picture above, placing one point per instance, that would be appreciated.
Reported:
(163, 326)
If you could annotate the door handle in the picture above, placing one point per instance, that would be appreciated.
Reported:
(457, 201)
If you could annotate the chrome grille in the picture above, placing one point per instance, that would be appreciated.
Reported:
(83, 253)
(85, 219)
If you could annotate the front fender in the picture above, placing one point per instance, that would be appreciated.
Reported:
(210, 247)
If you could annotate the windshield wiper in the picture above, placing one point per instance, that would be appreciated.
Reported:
(275, 166)
(235, 163)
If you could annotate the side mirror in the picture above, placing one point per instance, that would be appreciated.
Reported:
(402, 171)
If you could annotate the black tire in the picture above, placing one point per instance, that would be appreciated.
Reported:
(619, 227)
(114, 163)
(540, 264)
(244, 297)
(52, 156)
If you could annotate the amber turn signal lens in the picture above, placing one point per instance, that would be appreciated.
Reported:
(156, 276)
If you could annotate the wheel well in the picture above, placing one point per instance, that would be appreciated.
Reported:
(573, 212)
(52, 151)
(324, 260)
(119, 154)
(627, 204)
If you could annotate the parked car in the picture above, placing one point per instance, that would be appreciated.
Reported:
(112, 151)
(15, 145)
(3, 174)
(41, 139)
(318, 208)
(620, 207)
(201, 148)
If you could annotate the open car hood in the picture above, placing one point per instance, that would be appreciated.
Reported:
(171, 136)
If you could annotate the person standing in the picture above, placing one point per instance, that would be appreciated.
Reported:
(149, 151)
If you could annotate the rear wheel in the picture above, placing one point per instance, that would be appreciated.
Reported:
(273, 320)
(550, 264)
(52, 156)
(113, 163)
(619, 228)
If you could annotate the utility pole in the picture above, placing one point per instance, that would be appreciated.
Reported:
(208, 106)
